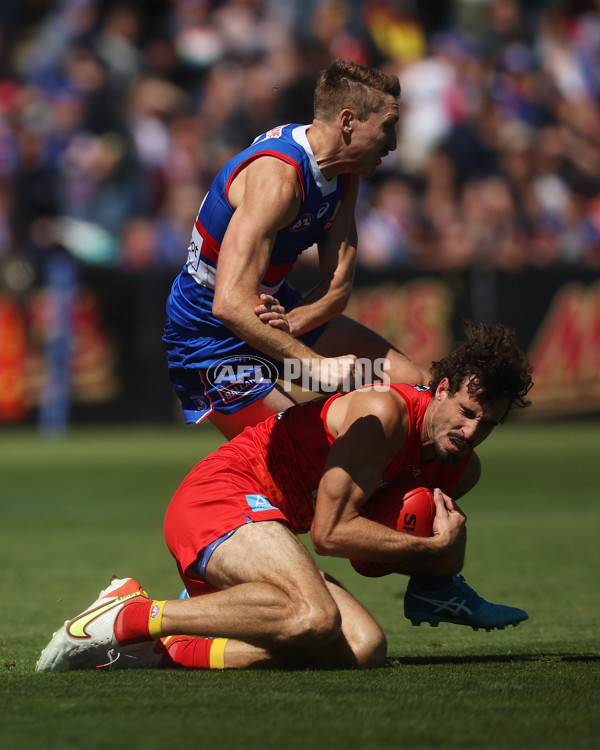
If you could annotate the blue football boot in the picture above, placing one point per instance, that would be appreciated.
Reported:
(457, 603)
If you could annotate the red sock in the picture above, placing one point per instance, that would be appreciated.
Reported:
(131, 625)
(187, 652)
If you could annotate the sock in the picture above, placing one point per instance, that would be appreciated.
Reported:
(187, 652)
(139, 620)
(432, 583)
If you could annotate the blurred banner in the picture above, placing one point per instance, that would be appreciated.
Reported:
(556, 315)
(116, 365)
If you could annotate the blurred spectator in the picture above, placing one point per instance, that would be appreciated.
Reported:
(100, 181)
(116, 114)
(34, 188)
(117, 45)
(384, 227)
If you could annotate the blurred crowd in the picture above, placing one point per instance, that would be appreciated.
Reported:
(115, 116)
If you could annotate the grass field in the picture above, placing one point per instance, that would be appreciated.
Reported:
(75, 511)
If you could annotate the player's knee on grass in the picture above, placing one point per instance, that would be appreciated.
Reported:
(363, 643)
(313, 623)
(370, 653)
(357, 650)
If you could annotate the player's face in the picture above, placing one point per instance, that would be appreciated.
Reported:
(375, 137)
(461, 422)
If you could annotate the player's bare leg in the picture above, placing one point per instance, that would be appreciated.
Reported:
(360, 644)
(269, 593)
(273, 596)
(343, 334)
(269, 590)
(231, 425)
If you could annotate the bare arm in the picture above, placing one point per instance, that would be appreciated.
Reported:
(469, 479)
(266, 197)
(337, 256)
(370, 428)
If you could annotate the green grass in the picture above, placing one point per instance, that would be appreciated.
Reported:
(75, 511)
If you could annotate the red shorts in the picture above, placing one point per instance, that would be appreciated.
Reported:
(214, 500)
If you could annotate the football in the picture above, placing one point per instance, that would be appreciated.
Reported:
(411, 512)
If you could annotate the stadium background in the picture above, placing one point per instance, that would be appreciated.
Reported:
(114, 117)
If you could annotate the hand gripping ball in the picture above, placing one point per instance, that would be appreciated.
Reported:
(410, 513)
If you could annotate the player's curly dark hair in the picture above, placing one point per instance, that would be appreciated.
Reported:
(492, 362)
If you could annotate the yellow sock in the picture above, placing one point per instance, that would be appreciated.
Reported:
(217, 653)
(155, 619)
(194, 652)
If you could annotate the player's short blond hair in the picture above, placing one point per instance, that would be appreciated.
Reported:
(348, 84)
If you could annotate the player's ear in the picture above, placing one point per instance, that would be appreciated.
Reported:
(346, 117)
(443, 389)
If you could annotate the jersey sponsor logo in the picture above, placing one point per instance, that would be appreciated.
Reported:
(236, 377)
(193, 258)
(322, 211)
(413, 470)
(303, 223)
(203, 273)
(327, 226)
(275, 132)
(419, 387)
(196, 242)
(259, 502)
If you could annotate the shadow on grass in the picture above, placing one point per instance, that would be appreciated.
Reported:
(400, 661)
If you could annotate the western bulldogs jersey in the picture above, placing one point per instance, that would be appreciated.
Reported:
(190, 301)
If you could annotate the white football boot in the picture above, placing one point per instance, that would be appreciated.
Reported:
(86, 640)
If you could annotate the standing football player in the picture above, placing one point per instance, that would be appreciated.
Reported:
(232, 319)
